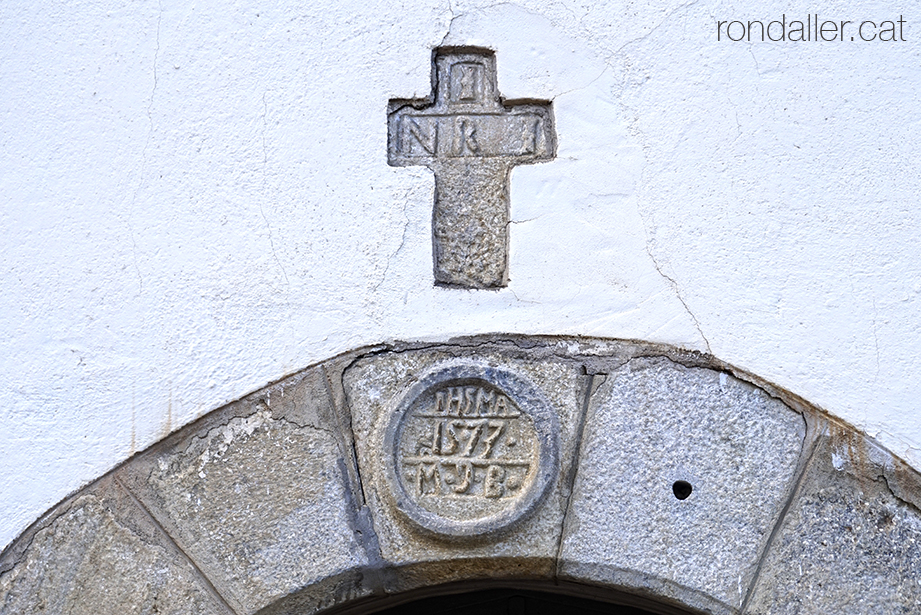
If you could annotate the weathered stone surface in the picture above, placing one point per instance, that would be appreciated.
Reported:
(261, 506)
(103, 556)
(471, 139)
(375, 387)
(847, 545)
(651, 424)
(259, 499)
(470, 223)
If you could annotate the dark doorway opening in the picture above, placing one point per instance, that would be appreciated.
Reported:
(507, 602)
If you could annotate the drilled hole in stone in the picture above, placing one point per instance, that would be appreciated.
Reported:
(682, 489)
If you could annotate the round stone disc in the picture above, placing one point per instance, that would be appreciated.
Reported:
(470, 450)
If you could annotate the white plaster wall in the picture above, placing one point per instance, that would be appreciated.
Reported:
(196, 201)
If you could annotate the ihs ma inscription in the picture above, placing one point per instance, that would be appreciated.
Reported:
(471, 138)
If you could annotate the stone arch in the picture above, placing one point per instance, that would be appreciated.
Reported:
(679, 482)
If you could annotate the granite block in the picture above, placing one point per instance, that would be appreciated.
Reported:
(102, 555)
(848, 544)
(682, 476)
(527, 548)
(259, 497)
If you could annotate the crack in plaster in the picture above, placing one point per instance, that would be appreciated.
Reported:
(450, 23)
(582, 87)
(751, 52)
(481, 10)
(876, 337)
(519, 299)
(735, 111)
(155, 77)
(667, 17)
(634, 131)
(265, 163)
(150, 129)
(674, 286)
(400, 247)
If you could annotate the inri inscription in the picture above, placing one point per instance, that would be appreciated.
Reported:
(470, 455)
(471, 138)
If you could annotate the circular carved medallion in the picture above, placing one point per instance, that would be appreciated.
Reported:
(470, 450)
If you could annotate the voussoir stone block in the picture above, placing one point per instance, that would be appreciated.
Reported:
(851, 541)
(102, 555)
(452, 443)
(651, 424)
(258, 498)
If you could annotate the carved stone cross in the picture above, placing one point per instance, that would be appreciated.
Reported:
(471, 138)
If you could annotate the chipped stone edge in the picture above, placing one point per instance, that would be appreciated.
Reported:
(865, 459)
(106, 490)
(833, 445)
(329, 420)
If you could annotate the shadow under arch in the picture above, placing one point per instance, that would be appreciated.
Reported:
(508, 598)
(278, 503)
